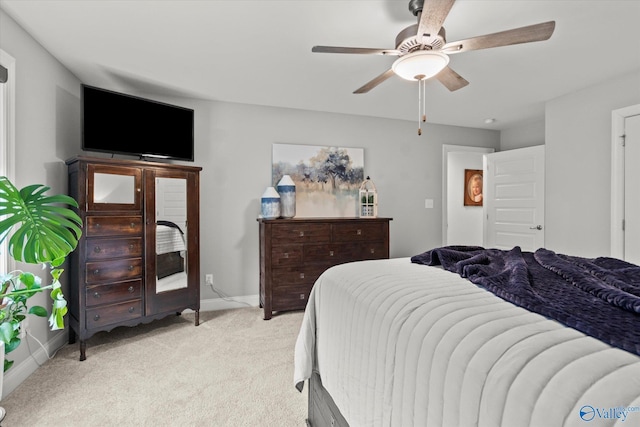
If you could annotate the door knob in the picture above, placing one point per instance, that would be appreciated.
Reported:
(537, 227)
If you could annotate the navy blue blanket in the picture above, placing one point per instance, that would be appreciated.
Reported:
(599, 297)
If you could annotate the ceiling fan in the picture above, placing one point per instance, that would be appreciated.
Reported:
(423, 51)
(425, 43)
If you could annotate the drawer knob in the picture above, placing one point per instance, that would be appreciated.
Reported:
(286, 254)
(302, 234)
(302, 275)
(131, 268)
(301, 296)
(373, 251)
(133, 225)
(96, 294)
(359, 232)
(96, 272)
(97, 225)
(130, 289)
(330, 253)
(97, 249)
(131, 309)
(96, 317)
(131, 247)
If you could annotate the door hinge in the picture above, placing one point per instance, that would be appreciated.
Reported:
(623, 225)
(624, 139)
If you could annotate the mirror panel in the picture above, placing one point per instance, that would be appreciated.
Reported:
(112, 188)
(171, 234)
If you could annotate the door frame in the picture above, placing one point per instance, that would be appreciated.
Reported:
(617, 177)
(446, 149)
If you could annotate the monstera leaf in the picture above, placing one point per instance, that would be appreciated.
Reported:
(46, 231)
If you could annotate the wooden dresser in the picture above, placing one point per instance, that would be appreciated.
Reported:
(118, 277)
(294, 252)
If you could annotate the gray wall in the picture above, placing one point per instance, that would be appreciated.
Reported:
(578, 165)
(233, 145)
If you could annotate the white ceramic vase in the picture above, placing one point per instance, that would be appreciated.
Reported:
(287, 190)
(270, 204)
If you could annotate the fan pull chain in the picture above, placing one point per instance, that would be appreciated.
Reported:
(422, 102)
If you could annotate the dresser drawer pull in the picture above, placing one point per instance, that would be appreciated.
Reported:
(96, 272)
(359, 232)
(130, 289)
(97, 249)
(96, 317)
(133, 225)
(131, 268)
(302, 275)
(131, 309)
(330, 253)
(131, 247)
(302, 234)
(97, 225)
(373, 251)
(96, 295)
(302, 296)
(286, 254)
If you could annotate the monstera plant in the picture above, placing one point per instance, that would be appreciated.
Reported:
(43, 230)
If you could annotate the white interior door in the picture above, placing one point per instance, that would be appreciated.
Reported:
(514, 199)
(632, 190)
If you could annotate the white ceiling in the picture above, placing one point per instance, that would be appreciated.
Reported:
(259, 52)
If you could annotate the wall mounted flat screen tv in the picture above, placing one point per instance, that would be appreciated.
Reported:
(117, 123)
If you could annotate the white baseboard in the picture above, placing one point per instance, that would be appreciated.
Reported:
(20, 372)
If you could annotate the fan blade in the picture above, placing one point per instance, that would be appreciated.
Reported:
(531, 33)
(375, 82)
(433, 14)
(359, 50)
(450, 79)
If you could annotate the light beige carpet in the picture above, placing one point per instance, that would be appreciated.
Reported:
(235, 369)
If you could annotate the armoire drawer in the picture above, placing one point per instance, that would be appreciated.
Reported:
(99, 249)
(114, 270)
(107, 314)
(110, 293)
(113, 226)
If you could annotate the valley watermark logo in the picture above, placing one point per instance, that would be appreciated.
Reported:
(590, 413)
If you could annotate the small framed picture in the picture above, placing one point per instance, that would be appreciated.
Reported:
(472, 187)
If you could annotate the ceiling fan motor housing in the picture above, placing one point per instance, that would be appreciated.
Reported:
(407, 41)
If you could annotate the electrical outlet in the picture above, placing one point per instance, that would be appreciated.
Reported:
(208, 278)
(24, 327)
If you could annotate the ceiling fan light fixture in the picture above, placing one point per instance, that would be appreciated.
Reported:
(420, 65)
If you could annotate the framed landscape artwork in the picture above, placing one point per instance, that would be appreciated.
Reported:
(472, 187)
(327, 178)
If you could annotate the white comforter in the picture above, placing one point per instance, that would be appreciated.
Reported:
(168, 239)
(400, 344)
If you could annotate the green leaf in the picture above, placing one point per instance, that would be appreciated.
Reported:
(38, 311)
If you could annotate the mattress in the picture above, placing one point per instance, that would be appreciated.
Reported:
(401, 344)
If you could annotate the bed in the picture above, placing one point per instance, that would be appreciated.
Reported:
(411, 342)
(170, 249)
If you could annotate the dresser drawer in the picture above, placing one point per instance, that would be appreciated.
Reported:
(292, 297)
(114, 270)
(293, 232)
(299, 275)
(332, 254)
(113, 226)
(358, 232)
(286, 255)
(375, 250)
(108, 314)
(98, 249)
(110, 293)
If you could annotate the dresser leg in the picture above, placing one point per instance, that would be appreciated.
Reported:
(197, 317)
(83, 350)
